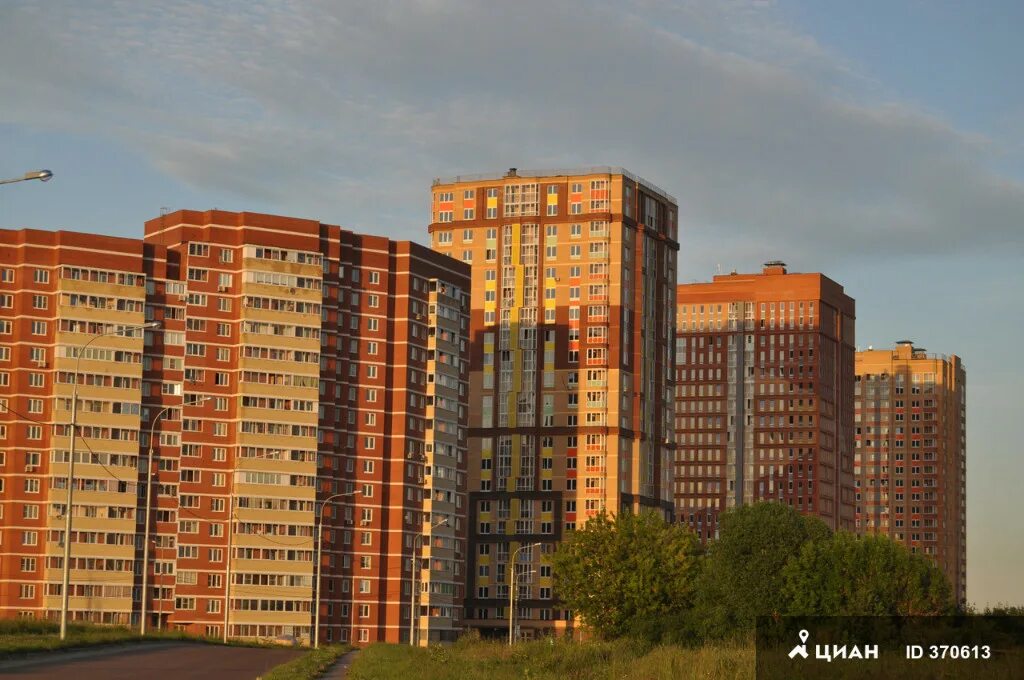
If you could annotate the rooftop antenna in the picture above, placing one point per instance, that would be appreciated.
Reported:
(718, 267)
(164, 210)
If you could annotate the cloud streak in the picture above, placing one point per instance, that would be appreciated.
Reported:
(344, 112)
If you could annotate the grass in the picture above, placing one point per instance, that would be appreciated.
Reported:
(28, 636)
(553, 660)
(309, 666)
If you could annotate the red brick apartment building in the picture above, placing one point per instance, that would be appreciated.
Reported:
(911, 460)
(294, 361)
(573, 281)
(764, 396)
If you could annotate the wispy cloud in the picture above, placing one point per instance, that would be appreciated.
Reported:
(344, 111)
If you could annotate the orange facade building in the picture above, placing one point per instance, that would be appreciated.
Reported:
(764, 396)
(573, 287)
(911, 460)
(295, 361)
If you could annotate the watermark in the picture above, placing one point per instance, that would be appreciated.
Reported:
(975, 647)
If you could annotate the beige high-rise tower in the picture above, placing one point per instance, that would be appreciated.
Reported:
(911, 460)
(571, 339)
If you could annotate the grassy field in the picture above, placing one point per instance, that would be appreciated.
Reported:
(552, 660)
(309, 666)
(31, 636)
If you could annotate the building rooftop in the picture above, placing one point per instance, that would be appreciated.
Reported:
(556, 172)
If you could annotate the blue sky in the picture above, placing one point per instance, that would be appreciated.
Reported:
(878, 142)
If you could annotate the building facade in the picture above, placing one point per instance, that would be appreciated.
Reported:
(764, 396)
(573, 287)
(911, 455)
(298, 369)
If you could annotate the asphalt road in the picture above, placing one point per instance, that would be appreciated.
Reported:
(157, 661)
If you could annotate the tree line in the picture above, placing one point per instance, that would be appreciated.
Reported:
(637, 575)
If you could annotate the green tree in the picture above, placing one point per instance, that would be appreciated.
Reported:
(742, 575)
(621, 573)
(853, 575)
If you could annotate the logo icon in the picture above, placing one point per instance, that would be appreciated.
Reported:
(800, 649)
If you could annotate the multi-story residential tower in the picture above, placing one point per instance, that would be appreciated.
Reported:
(571, 327)
(298, 368)
(911, 455)
(764, 396)
(58, 290)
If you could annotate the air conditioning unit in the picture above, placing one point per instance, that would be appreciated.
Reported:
(364, 522)
(41, 363)
(348, 521)
(222, 289)
(182, 298)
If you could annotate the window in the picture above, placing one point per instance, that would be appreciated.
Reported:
(41, 276)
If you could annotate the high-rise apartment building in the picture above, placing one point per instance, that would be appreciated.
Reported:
(573, 280)
(764, 396)
(298, 368)
(911, 455)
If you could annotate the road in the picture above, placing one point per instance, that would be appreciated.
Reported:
(151, 661)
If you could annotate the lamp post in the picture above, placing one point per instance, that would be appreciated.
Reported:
(41, 175)
(512, 588)
(414, 596)
(149, 505)
(232, 516)
(66, 575)
(319, 552)
(227, 565)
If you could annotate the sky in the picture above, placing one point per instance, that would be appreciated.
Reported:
(880, 142)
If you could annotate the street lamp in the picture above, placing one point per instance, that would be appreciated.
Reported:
(149, 504)
(319, 550)
(232, 516)
(41, 175)
(512, 588)
(66, 576)
(414, 596)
